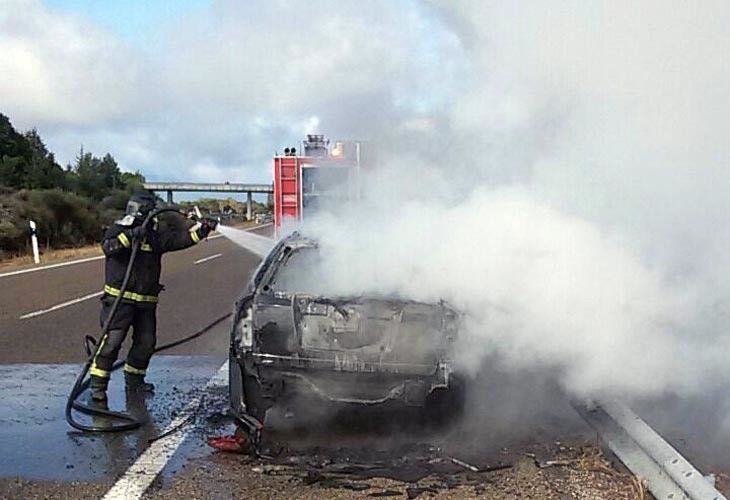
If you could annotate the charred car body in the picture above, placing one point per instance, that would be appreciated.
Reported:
(288, 341)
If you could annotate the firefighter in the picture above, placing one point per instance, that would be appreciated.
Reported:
(137, 308)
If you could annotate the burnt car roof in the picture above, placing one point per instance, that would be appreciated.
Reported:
(297, 240)
(294, 240)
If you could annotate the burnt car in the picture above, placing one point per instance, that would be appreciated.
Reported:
(288, 340)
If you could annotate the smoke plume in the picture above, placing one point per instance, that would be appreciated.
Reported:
(569, 201)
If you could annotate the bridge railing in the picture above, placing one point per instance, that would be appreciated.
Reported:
(209, 187)
(226, 187)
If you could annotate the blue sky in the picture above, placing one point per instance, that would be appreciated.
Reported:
(132, 20)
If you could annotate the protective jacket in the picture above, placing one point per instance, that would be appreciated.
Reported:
(144, 282)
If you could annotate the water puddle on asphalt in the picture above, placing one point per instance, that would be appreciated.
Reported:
(32, 418)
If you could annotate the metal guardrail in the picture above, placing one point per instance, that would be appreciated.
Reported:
(668, 475)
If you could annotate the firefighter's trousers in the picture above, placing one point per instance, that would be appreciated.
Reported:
(143, 320)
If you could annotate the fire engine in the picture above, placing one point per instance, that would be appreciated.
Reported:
(318, 176)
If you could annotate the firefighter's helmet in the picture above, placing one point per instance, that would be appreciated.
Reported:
(140, 204)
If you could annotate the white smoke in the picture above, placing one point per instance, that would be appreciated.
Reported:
(570, 202)
(537, 288)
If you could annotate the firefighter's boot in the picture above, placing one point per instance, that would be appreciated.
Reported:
(135, 383)
(97, 387)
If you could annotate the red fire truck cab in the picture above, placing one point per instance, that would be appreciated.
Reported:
(317, 177)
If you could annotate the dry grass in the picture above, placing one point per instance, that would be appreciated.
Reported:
(50, 256)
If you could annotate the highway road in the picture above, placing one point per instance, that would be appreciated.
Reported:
(45, 314)
(44, 318)
(514, 424)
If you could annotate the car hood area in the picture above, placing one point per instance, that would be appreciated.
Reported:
(360, 334)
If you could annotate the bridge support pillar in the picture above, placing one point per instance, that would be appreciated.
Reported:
(249, 205)
(169, 196)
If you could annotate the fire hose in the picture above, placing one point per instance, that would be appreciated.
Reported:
(93, 347)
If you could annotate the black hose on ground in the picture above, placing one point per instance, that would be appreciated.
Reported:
(82, 383)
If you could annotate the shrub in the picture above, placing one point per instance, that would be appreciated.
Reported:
(63, 219)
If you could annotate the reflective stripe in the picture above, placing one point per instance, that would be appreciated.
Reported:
(194, 235)
(95, 370)
(137, 297)
(98, 372)
(146, 247)
(123, 239)
(131, 369)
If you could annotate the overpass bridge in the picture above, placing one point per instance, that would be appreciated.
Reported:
(208, 187)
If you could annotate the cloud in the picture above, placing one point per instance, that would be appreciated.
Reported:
(258, 79)
(61, 71)
(271, 58)
(224, 85)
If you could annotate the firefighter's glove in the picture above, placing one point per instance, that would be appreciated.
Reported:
(139, 232)
(207, 226)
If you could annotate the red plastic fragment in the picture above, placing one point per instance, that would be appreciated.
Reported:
(234, 444)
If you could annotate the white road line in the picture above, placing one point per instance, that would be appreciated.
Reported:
(61, 305)
(206, 259)
(51, 266)
(145, 469)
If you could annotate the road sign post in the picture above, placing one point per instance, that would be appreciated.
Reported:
(34, 242)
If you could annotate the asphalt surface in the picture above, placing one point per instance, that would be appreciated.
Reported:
(37, 442)
(40, 357)
(194, 295)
